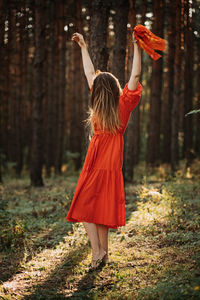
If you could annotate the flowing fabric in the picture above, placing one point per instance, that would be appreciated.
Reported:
(99, 195)
(149, 41)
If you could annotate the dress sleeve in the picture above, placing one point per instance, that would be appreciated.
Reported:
(131, 98)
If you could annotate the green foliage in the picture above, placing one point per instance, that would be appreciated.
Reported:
(192, 112)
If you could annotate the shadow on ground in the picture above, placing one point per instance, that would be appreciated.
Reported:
(56, 282)
(10, 264)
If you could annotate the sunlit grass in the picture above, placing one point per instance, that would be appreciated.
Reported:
(155, 256)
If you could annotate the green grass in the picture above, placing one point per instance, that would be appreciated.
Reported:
(155, 256)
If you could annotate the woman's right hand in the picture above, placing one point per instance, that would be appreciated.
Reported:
(77, 37)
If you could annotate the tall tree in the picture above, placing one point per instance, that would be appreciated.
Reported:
(197, 117)
(23, 77)
(188, 83)
(119, 53)
(132, 135)
(50, 103)
(169, 86)
(76, 116)
(6, 78)
(37, 136)
(153, 143)
(62, 85)
(175, 115)
(98, 37)
(30, 34)
(120, 28)
(131, 138)
(197, 98)
(2, 31)
(15, 97)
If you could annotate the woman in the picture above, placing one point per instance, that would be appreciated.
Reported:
(99, 201)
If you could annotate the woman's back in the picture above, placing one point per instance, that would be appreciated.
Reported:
(128, 100)
(106, 149)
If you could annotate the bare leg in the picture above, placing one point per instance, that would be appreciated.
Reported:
(103, 238)
(97, 251)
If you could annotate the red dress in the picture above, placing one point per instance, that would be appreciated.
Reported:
(99, 195)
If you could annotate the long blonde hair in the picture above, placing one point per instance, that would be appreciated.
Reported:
(103, 108)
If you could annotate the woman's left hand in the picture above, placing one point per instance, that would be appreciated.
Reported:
(134, 38)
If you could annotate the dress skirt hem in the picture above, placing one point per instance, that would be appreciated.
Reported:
(94, 221)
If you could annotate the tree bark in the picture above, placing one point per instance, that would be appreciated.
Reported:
(37, 136)
(2, 68)
(171, 30)
(177, 88)
(98, 37)
(153, 142)
(131, 137)
(62, 86)
(197, 117)
(120, 29)
(49, 140)
(76, 125)
(188, 84)
(30, 34)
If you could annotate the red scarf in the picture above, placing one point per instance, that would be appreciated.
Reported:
(149, 41)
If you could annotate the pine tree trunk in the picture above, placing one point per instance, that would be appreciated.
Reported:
(62, 86)
(188, 86)
(120, 28)
(169, 90)
(197, 116)
(153, 143)
(37, 136)
(5, 88)
(24, 82)
(76, 125)
(30, 34)
(15, 147)
(12, 90)
(144, 67)
(49, 141)
(131, 137)
(56, 75)
(177, 88)
(2, 68)
(18, 104)
(98, 37)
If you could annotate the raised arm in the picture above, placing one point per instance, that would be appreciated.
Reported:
(136, 66)
(87, 63)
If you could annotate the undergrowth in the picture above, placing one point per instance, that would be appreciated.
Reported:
(155, 256)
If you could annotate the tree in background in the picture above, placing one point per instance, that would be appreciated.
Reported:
(119, 49)
(44, 94)
(175, 114)
(50, 93)
(132, 131)
(169, 78)
(120, 30)
(62, 86)
(153, 143)
(37, 130)
(98, 36)
(188, 82)
(76, 125)
(2, 29)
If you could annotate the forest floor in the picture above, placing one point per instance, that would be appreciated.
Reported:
(155, 256)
